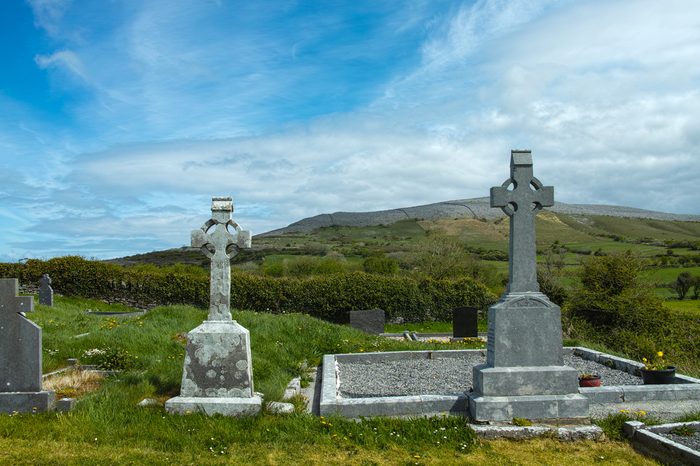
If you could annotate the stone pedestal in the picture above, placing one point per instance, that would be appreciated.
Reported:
(218, 372)
(524, 375)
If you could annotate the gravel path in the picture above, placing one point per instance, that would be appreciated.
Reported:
(441, 376)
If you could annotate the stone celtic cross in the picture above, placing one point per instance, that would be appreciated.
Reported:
(521, 204)
(220, 246)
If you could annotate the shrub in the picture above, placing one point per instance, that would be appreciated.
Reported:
(329, 296)
(381, 265)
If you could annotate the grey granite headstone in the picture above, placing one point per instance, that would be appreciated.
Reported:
(45, 291)
(218, 370)
(20, 354)
(465, 322)
(370, 321)
(524, 375)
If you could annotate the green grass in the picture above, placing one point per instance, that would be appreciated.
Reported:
(429, 327)
(690, 306)
(108, 428)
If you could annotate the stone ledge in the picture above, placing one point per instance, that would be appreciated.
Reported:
(489, 432)
(647, 440)
(538, 407)
(209, 406)
(27, 402)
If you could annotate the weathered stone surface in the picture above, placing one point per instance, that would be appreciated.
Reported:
(220, 246)
(148, 402)
(277, 407)
(218, 361)
(465, 322)
(524, 374)
(370, 321)
(45, 291)
(65, 404)
(218, 369)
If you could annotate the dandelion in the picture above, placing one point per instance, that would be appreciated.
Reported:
(660, 354)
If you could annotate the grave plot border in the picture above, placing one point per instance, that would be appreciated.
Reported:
(685, 388)
(646, 440)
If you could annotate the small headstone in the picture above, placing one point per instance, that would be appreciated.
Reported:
(370, 321)
(20, 354)
(218, 369)
(464, 322)
(65, 404)
(45, 291)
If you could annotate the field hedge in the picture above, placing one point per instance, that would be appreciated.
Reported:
(328, 297)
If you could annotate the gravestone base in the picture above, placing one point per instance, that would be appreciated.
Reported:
(560, 408)
(217, 376)
(524, 375)
(27, 402)
(210, 406)
(524, 381)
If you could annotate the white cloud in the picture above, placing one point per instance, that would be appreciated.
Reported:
(604, 93)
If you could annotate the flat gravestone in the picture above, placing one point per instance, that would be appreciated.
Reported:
(370, 321)
(465, 322)
(218, 369)
(524, 375)
(20, 354)
(45, 291)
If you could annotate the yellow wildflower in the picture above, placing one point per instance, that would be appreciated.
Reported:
(660, 354)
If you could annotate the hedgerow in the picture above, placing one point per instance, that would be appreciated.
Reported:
(329, 297)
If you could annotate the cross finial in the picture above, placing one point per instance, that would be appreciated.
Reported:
(220, 246)
(521, 204)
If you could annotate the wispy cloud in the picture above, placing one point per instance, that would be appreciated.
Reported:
(297, 111)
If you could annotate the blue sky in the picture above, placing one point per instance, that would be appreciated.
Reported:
(120, 119)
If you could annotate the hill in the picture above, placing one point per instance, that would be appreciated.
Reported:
(581, 228)
(477, 208)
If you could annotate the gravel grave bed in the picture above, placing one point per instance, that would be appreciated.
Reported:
(692, 441)
(441, 376)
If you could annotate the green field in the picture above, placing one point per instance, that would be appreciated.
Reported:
(107, 427)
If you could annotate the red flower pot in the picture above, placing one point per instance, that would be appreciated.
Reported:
(591, 381)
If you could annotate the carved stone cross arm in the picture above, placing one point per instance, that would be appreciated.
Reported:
(521, 203)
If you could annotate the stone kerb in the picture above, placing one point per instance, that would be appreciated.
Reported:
(218, 369)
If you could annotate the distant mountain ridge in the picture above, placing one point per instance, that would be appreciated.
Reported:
(477, 208)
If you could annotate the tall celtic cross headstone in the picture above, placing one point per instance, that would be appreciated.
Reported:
(45, 290)
(20, 354)
(524, 375)
(218, 371)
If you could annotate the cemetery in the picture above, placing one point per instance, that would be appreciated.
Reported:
(177, 384)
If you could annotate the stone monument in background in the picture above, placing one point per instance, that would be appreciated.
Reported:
(524, 375)
(218, 370)
(20, 354)
(45, 290)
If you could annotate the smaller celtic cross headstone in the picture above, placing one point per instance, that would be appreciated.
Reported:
(217, 376)
(521, 204)
(220, 245)
(45, 291)
(20, 354)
